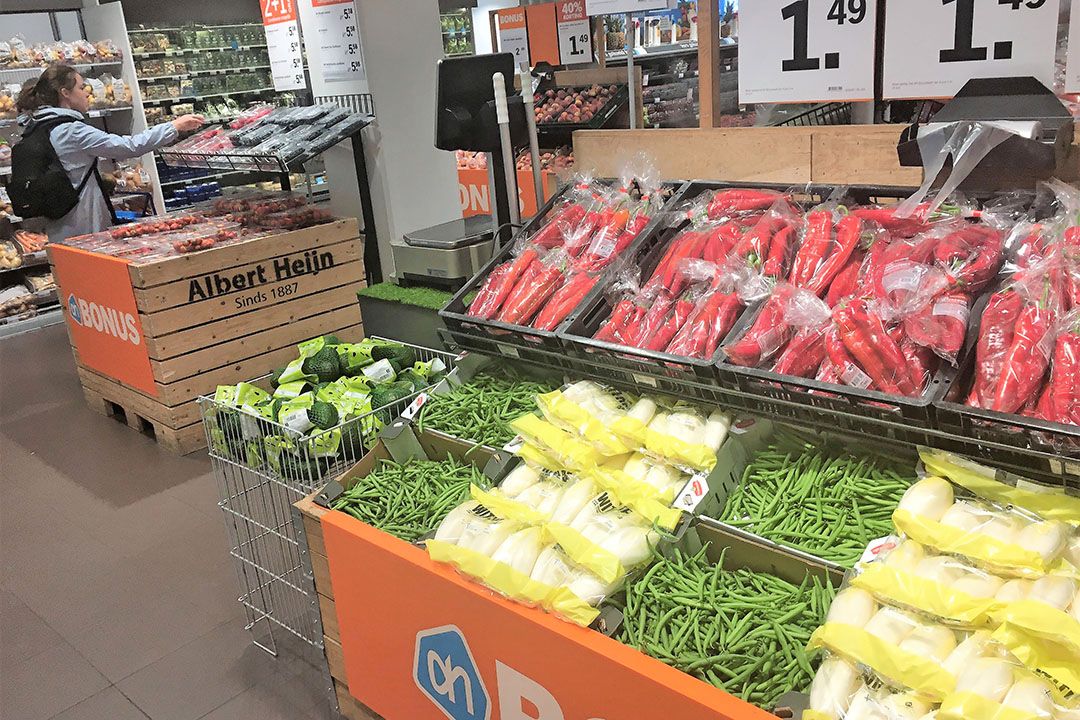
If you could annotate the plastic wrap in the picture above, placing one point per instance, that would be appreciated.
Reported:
(787, 311)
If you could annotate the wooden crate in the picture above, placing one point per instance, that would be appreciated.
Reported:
(210, 318)
(349, 707)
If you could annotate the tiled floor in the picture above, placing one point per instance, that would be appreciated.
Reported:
(117, 598)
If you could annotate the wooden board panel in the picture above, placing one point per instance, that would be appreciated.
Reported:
(320, 569)
(351, 708)
(335, 658)
(209, 261)
(215, 337)
(179, 441)
(862, 154)
(328, 612)
(292, 331)
(175, 417)
(750, 154)
(313, 530)
(261, 299)
(247, 368)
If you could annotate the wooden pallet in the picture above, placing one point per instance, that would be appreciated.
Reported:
(348, 706)
(120, 407)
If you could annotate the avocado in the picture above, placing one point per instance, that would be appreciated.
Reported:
(324, 365)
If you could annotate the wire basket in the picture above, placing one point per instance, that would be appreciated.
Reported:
(262, 470)
(824, 114)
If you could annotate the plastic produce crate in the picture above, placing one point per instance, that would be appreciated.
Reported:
(664, 369)
(493, 337)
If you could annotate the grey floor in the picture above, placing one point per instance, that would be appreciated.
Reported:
(117, 598)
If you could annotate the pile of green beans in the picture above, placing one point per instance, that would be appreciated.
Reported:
(481, 411)
(742, 631)
(826, 502)
(408, 500)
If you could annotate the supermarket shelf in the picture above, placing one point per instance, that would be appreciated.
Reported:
(103, 112)
(197, 98)
(662, 78)
(21, 74)
(203, 73)
(176, 52)
(203, 178)
(44, 317)
(29, 261)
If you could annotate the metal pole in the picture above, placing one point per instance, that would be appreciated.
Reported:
(534, 143)
(492, 197)
(630, 69)
(502, 114)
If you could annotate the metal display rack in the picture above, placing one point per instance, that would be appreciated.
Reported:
(266, 537)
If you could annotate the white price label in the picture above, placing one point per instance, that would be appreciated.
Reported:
(415, 406)
(331, 28)
(806, 50)
(612, 7)
(575, 36)
(644, 380)
(514, 35)
(514, 445)
(963, 39)
(1072, 65)
(878, 547)
(509, 350)
(692, 494)
(283, 45)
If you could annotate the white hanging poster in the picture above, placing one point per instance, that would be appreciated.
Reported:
(333, 40)
(283, 44)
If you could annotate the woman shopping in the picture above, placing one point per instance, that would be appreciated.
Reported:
(57, 148)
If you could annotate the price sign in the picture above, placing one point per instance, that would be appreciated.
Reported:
(963, 39)
(283, 44)
(612, 7)
(331, 28)
(806, 50)
(575, 35)
(513, 35)
(1072, 65)
(692, 494)
(415, 406)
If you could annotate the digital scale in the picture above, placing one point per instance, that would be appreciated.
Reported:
(475, 112)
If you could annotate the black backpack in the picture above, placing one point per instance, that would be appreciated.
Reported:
(39, 185)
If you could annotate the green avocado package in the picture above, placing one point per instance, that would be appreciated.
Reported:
(326, 405)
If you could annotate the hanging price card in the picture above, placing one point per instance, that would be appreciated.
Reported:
(806, 50)
(283, 44)
(1072, 67)
(575, 36)
(513, 35)
(612, 7)
(933, 47)
(331, 28)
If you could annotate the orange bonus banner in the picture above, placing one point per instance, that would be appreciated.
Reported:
(277, 11)
(422, 642)
(102, 318)
(475, 193)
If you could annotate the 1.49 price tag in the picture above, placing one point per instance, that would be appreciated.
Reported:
(575, 38)
(963, 39)
(806, 50)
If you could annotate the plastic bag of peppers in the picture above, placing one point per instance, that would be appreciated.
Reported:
(552, 271)
(735, 243)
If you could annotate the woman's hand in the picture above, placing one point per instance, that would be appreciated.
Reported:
(187, 123)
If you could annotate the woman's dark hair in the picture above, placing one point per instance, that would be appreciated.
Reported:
(45, 89)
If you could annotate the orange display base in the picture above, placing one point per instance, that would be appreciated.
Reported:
(422, 642)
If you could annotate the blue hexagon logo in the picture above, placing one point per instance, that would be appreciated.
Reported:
(444, 669)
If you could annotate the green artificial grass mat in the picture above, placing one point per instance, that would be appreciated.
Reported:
(428, 298)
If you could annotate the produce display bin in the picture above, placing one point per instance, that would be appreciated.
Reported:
(646, 253)
(257, 491)
(499, 338)
(562, 132)
(375, 595)
(151, 337)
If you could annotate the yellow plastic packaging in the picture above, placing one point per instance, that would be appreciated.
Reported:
(656, 512)
(1002, 558)
(925, 677)
(506, 508)
(564, 413)
(570, 451)
(969, 706)
(1039, 644)
(605, 565)
(698, 457)
(536, 457)
(1048, 503)
(899, 587)
(513, 584)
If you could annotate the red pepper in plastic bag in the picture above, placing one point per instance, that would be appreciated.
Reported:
(996, 331)
(902, 227)
(972, 255)
(726, 202)
(500, 283)
(848, 235)
(551, 235)
(532, 291)
(1024, 366)
(844, 368)
(565, 299)
(941, 325)
(1064, 383)
(684, 306)
(819, 228)
(701, 335)
(846, 282)
(865, 337)
(651, 321)
(804, 354)
(1071, 248)
(779, 249)
(625, 314)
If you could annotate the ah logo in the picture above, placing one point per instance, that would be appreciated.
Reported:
(445, 671)
(73, 308)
